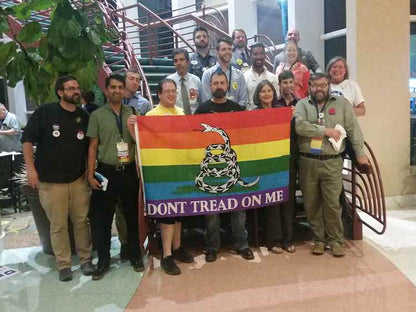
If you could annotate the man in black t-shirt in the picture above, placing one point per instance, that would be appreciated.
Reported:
(220, 104)
(58, 171)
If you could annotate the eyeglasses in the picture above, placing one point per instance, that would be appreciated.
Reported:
(319, 85)
(72, 89)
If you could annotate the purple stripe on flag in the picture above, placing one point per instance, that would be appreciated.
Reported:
(215, 204)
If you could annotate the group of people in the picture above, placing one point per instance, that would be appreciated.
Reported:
(75, 149)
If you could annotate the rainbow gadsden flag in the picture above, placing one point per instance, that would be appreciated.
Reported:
(214, 163)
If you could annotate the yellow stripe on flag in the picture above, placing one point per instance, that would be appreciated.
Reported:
(246, 152)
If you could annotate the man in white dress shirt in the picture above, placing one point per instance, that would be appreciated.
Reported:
(188, 86)
(258, 73)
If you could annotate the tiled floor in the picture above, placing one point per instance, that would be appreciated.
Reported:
(374, 285)
(37, 287)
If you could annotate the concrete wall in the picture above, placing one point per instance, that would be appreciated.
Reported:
(378, 53)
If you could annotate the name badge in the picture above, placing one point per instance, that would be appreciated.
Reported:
(316, 145)
(123, 152)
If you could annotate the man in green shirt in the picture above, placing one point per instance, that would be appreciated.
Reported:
(113, 148)
(320, 164)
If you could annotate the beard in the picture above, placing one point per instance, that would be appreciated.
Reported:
(320, 96)
(201, 45)
(219, 94)
(75, 99)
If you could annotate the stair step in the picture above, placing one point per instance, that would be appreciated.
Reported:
(158, 69)
(156, 61)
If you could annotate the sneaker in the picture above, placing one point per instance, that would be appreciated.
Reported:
(246, 253)
(182, 255)
(169, 266)
(210, 255)
(87, 268)
(99, 273)
(124, 252)
(65, 275)
(318, 249)
(137, 265)
(337, 250)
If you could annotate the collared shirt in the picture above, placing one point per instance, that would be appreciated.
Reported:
(336, 111)
(237, 90)
(103, 125)
(198, 63)
(253, 79)
(10, 143)
(281, 102)
(161, 110)
(191, 82)
(241, 59)
(140, 104)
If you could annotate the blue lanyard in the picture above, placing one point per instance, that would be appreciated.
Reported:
(119, 121)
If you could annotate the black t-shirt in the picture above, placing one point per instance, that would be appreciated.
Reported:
(211, 107)
(61, 140)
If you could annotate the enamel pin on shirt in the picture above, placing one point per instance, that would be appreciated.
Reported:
(55, 131)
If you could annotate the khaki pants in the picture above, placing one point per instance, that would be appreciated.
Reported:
(321, 185)
(60, 200)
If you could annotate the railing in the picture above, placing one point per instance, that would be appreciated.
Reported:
(366, 194)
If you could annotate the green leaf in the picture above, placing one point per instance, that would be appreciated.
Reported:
(93, 36)
(30, 33)
(72, 29)
(21, 11)
(4, 26)
(43, 47)
(39, 5)
(7, 51)
(70, 49)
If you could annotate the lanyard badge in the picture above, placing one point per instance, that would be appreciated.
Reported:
(122, 151)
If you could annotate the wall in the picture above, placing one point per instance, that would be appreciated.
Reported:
(378, 54)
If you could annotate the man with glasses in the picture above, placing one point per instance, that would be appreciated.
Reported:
(170, 228)
(318, 118)
(58, 171)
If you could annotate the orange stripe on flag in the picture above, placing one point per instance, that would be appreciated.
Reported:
(197, 139)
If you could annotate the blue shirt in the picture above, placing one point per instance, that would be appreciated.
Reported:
(139, 103)
(237, 90)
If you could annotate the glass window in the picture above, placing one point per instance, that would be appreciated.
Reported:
(335, 15)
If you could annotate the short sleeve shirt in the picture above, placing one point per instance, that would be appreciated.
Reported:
(103, 125)
(61, 141)
(161, 110)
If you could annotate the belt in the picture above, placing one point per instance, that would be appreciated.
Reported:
(320, 157)
(120, 167)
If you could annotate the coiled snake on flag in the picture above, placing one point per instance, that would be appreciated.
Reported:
(227, 156)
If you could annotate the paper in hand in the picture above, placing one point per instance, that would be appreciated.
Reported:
(337, 145)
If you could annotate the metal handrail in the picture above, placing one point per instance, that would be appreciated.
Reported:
(367, 193)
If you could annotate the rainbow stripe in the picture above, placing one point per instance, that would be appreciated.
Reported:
(172, 148)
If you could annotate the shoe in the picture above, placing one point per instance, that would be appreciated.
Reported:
(137, 265)
(275, 248)
(337, 250)
(87, 268)
(289, 247)
(210, 255)
(99, 273)
(182, 255)
(318, 249)
(169, 266)
(65, 275)
(246, 253)
(124, 252)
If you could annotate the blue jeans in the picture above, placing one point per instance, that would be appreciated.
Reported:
(238, 227)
